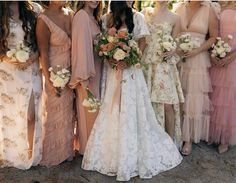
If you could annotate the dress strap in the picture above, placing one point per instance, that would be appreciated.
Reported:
(47, 21)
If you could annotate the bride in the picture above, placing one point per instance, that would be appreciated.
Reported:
(126, 139)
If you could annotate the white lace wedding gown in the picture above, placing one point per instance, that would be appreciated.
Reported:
(16, 87)
(126, 139)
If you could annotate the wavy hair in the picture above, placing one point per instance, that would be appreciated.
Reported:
(97, 13)
(28, 18)
(119, 8)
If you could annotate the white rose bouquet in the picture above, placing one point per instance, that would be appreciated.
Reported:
(91, 102)
(118, 46)
(19, 54)
(220, 48)
(166, 43)
(59, 77)
(187, 43)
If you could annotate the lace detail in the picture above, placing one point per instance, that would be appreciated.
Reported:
(126, 139)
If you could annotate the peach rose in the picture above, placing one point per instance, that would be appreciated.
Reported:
(107, 47)
(122, 34)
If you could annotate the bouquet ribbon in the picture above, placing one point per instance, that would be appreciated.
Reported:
(117, 93)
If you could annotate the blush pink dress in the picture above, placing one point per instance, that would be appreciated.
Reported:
(195, 78)
(223, 119)
(86, 67)
(57, 111)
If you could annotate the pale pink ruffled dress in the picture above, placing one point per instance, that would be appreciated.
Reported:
(195, 79)
(223, 119)
(57, 111)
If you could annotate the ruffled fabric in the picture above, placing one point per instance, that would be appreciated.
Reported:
(196, 84)
(223, 118)
(223, 124)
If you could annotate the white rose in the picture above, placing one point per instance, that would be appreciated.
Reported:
(185, 46)
(50, 69)
(228, 49)
(111, 39)
(86, 103)
(65, 71)
(222, 55)
(230, 36)
(10, 53)
(119, 54)
(220, 50)
(133, 43)
(59, 82)
(22, 56)
(92, 110)
(167, 45)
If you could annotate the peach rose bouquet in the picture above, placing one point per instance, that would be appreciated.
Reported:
(118, 46)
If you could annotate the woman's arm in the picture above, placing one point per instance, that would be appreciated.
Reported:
(142, 43)
(43, 36)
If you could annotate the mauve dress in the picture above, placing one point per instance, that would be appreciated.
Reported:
(223, 119)
(86, 65)
(57, 111)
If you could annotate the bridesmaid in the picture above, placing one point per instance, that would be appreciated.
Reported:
(163, 77)
(53, 35)
(223, 124)
(86, 66)
(20, 89)
(197, 19)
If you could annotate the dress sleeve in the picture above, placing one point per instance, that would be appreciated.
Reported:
(140, 26)
(82, 57)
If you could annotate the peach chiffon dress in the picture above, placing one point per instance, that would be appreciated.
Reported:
(57, 111)
(195, 78)
(223, 119)
(86, 68)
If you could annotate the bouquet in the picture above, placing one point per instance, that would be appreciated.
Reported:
(187, 43)
(220, 48)
(59, 77)
(91, 102)
(19, 54)
(165, 43)
(118, 46)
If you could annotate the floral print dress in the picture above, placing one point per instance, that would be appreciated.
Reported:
(162, 78)
(16, 88)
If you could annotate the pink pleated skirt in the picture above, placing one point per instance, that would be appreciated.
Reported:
(223, 118)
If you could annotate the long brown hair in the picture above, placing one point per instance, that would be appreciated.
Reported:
(28, 18)
(97, 13)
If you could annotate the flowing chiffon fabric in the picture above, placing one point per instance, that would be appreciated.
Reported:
(195, 78)
(86, 67)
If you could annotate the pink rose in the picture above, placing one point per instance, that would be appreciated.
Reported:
(112, 31)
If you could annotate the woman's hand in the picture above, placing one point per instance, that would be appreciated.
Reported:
(121, 65)
(168, 54)
(53, 90)
(112, 62)
(85, 83)
(192, 53)
(222, 62)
